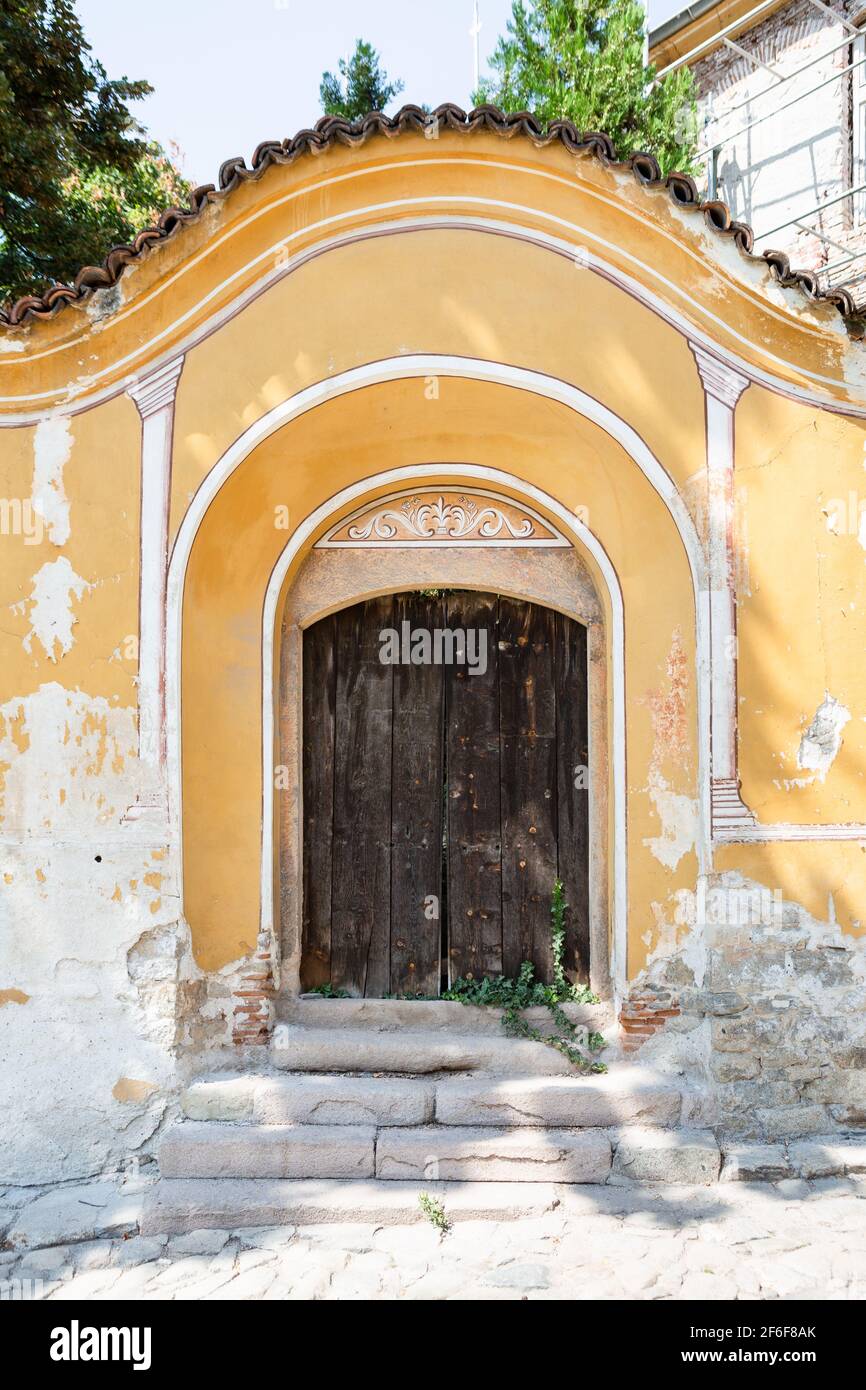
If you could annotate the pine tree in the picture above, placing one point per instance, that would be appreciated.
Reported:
(362, 86)
(583, 60)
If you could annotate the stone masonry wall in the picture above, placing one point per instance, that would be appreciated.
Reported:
(772, 1016)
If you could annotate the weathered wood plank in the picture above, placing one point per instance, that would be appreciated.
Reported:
(572, 718)
(528, 783)
(474, 844)
(417, 785)
(361, 892)
(319, 686)
(382, 744)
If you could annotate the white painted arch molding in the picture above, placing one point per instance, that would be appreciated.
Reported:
(520, 378)
(582, 537)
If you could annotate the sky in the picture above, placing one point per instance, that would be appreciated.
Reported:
(229, 74)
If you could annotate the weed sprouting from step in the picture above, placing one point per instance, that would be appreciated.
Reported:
(434, 1211)
(513, 996)
(327, 991)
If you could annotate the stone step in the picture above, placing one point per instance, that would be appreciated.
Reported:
(680, 1156)
(445, 1153)
(411, 1053)
(451, 1154)
(174, 1206)
(312, 1099)
(426, 1015)
(627, 1096)
(214, 1150)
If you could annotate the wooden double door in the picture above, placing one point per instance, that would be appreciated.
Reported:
(441, 800)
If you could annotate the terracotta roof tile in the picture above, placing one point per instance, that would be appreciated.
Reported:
(333, 130)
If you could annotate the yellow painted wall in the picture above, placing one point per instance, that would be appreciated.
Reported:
(801, 604)
(454, 292)
(356, 436)
(471, 291)
(101, 481)
(827, 878)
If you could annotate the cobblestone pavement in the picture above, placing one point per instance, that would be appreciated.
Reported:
(769, 1241)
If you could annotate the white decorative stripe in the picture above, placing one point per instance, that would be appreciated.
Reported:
(154, 397)
(424, 365)
(723, 387)
(559, 245)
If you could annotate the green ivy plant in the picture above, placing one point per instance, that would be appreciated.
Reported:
(557, 935)
(514, 996)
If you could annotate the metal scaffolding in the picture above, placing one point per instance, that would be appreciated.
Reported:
(709, 153)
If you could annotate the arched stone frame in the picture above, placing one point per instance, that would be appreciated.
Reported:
(571, 526)
(330, 580)
(424, 365)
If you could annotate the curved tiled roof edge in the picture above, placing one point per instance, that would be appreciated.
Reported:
(331, 130)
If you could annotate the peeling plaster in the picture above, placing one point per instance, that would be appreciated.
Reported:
(668, 708)
(90, 1007)
(823, 738)
(676, 938)
(51, 616)
(85, 747)
(773, 996)
(678, 813)
(679, 817)
(14, 726)
(103, 303)
(52, 448)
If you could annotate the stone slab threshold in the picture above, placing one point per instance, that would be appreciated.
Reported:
(427, 1015)
(298, 1047)
(625, 1156)
(816, 1157)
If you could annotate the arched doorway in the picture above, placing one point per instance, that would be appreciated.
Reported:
(445, 789)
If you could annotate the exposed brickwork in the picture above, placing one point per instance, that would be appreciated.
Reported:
(254, 1012)
(645, 1012)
